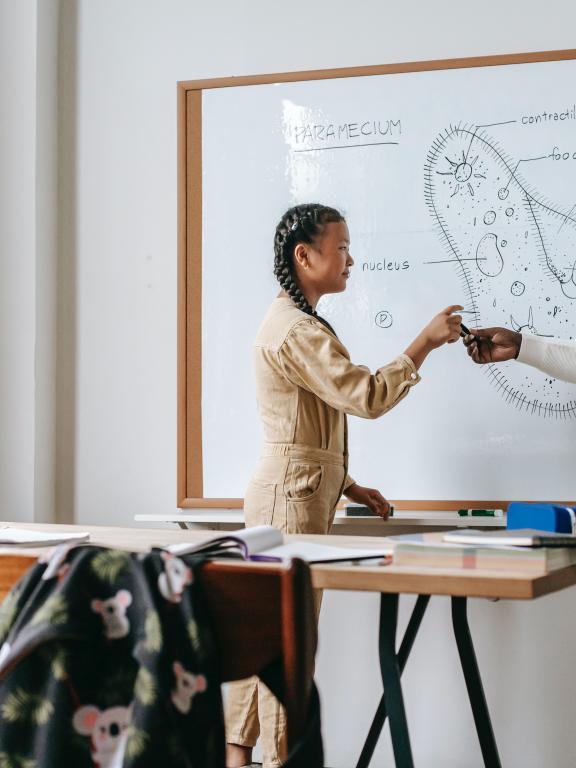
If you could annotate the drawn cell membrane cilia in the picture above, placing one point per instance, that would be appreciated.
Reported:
(515, 253)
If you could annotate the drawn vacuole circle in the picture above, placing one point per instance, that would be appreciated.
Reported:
(517, 288)
(489, 217)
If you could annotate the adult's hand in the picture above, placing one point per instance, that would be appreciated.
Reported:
(493, 345)
(371, 498)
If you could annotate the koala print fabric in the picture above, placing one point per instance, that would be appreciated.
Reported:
(101, 667)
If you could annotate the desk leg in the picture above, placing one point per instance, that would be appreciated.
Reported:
(404, 652)
(391, 680)
(474, 683)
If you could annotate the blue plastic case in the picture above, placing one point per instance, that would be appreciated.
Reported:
(541, 517)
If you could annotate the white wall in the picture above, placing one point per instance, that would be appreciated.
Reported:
(113, 366)
(129, 57)
(28, 212)
(17, 261)
(18, 313)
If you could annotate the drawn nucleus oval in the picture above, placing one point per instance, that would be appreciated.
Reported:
(488, 257)
(510, 261)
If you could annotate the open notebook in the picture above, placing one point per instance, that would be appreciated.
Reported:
(265, 543)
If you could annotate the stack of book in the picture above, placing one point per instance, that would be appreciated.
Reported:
(530, 551)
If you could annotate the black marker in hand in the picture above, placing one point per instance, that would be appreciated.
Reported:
(465, 331)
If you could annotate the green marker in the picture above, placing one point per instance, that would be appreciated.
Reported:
(481, 513)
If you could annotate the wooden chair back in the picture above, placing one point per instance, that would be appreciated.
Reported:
(262, 614)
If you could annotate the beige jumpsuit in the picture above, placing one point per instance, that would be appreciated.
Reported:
(306, 385)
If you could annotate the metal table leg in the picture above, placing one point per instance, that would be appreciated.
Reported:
(474, 683)
(390, 669)
(404, 652)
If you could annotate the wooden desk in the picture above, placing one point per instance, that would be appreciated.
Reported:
(391, 579)
(390, 582)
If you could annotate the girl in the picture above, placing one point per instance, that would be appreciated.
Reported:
(306, 384)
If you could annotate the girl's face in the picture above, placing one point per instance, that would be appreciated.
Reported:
(324, 266)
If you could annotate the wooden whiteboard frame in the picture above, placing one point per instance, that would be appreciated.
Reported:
(189, 450)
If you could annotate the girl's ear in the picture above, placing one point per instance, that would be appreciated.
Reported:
(301, 256)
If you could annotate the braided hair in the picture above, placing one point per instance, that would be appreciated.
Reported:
(300, 224)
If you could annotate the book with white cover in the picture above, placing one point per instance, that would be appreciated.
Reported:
(520, 537)
(265, 543)
(28, 537)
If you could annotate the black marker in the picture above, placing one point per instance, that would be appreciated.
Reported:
(464, 331)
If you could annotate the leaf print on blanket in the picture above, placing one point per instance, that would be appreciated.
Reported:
(153, 632)
(194, 635)
(8, 611)
(55, 656)
(109, 564)
(54, 611)
(137, 742)
(23, 706)
(16, 761)
(145, 687)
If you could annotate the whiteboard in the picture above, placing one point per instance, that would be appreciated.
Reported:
(458, 186)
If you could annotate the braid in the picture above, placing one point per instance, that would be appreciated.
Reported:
(300, 224)
(283, 262)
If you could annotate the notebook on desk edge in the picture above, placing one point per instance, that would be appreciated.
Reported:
(521, 537)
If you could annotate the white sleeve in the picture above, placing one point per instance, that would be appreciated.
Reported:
(556, 357)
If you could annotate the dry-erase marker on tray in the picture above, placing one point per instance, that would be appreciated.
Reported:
(481, 512)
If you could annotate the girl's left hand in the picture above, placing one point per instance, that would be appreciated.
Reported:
(371, 498)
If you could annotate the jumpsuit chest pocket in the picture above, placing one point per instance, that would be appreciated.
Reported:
(303, 480)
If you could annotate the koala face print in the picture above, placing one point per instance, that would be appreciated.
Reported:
(187, 686)
(175, 578)
(108, 730)
(113, 612)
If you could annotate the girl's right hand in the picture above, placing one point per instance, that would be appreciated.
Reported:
(444, 327)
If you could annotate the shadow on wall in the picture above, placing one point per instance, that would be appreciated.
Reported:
(67, 314)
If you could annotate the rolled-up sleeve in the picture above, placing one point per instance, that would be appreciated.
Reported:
(555, 357)
(312, 358)
(348, 483)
